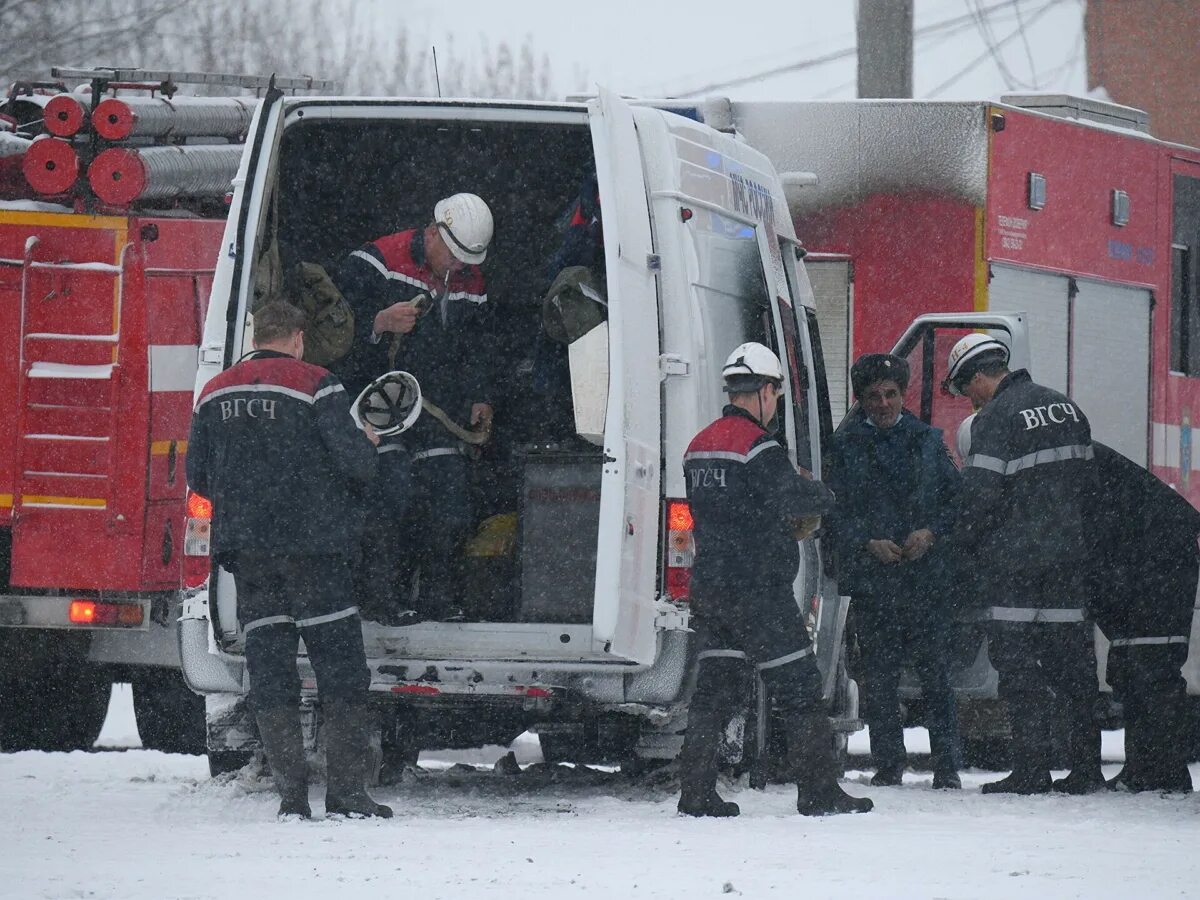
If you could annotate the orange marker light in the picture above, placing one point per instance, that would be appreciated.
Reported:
(198, 507)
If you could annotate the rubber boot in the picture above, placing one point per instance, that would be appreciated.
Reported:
(810, 755)
(698, 762)
(283, 743)
(347, 754)
(1030, 749)
(1086, 776)
(1163, 735)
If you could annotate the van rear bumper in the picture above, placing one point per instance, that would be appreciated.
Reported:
(537, 684)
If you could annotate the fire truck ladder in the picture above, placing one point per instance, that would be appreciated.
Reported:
(67, 412)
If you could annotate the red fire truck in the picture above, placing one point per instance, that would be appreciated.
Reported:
(106, 261)
(1064, 209)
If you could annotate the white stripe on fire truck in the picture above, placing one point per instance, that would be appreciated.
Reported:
(173, 367)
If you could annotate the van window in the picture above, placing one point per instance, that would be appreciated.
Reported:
(731, 287)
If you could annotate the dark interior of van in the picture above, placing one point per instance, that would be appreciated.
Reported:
(536, 486)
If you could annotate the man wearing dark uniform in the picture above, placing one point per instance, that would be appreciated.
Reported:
(748, 503)
(1026, 486)
(1145, 575)
(420, 305)
(274, 448)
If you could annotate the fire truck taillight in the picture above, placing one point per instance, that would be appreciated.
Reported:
(680, 550)
(197, 539)
(93, 612)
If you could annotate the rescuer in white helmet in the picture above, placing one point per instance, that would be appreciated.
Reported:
(420, 306)
(1027, 481)
(747, 501)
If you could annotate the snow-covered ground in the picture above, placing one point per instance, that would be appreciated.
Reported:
(141, 825)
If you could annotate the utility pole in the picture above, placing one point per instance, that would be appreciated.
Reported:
(885, 48)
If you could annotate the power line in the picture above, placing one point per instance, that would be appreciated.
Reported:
(951, 26)
(991, 51)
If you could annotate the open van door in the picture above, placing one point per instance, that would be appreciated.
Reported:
(251, 187)
(627, 554)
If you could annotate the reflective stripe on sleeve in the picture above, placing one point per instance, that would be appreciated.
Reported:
(784, 660)
(1150, 641)
(437, 451)
(326, 391)
(1025, 614)
(1029, 460)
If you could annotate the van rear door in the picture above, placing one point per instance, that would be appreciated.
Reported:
(627, 554)
(231, 294)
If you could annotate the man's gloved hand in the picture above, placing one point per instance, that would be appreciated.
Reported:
(885, 551)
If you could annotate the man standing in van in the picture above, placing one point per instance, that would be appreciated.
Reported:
(1027, 483)
(274, 448)
(420, 305)
(749, 506)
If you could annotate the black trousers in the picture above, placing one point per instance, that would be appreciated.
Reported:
(379, 578)
(892, 630)
(1039, 663)
(436, 524)
(1146, 678)
(282, 599)
(733, 648)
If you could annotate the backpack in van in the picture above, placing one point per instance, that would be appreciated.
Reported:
(574, 305)
(329, 328)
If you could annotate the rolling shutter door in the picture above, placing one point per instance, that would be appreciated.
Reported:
(830, 279)
(1110, 364)
(1046, 299)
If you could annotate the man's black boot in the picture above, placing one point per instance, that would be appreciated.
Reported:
(1086, 777)
(347, 753)
(810, 756)
(1023, 780)
(888, 776)
(1030, 748)
(1165, 740)
(283, 743)
(946, 780)
(698, 763)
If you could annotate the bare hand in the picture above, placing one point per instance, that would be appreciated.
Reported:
(400, 318)
(917, 544)
(481, 416)
(885, 551)
(370, 433)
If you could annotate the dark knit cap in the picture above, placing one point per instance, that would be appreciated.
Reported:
(873, 367)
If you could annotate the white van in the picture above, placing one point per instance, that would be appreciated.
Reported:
(590, 645)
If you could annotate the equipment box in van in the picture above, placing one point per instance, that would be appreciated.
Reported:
(587, 630)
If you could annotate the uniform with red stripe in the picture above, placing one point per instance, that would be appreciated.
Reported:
(449, 351)
(746, 499)
(273, 446)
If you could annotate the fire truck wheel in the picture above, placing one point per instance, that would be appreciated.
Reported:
(61, 710)
(221, 762)
(170, 717)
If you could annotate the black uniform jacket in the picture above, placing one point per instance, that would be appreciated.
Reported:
(746, 498)
(274, 448)
(451, 350)
(1146, 561)
(1026, 482)
(889, 483)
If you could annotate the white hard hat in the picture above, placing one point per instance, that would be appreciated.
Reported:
(389, 404)
(968, 352)
(962, 440)
(465, 223)
(749, 366)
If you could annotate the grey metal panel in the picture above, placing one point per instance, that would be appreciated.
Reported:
(1045, 297)
(1110, 364)
(861, 148)
(830, 280)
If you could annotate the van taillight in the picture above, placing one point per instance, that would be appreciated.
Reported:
(197, 540)
(680, 550)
